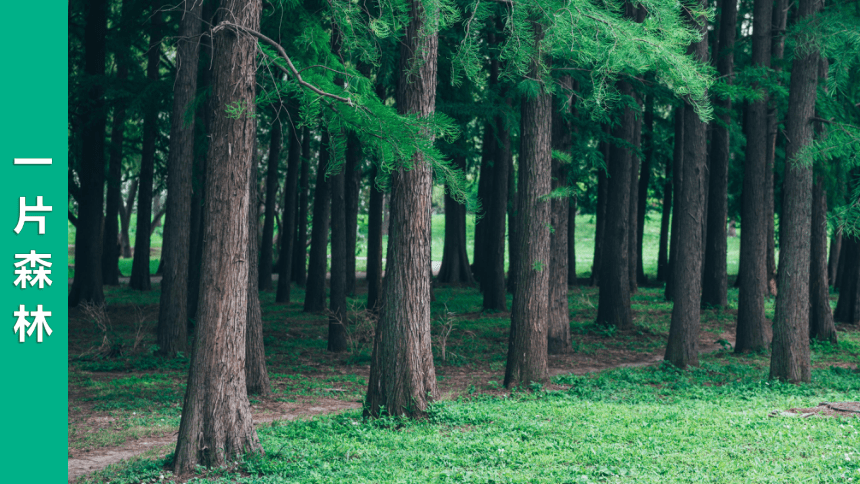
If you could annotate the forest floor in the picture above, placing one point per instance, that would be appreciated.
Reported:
(125, 402)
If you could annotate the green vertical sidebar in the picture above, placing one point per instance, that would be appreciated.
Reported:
(34, 403)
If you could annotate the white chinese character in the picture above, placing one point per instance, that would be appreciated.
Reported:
(23, 217)
(41, 273)
(39, 322)
(22, 323)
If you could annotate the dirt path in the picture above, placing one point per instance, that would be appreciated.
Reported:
(452, 384)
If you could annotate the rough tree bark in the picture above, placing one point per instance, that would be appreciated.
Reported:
(140, 266)
(715, 282)
(300, 251)
(790, 357)
(87, 285)
(216, 424)
(527, 343)
(558, 328)
(338, 317)
(752, 275)
(683, 347)
(455, 262)
(256, 375)
(613, 307)
(317, 262)
(494, 284)
(267, 243)
(173, 308)
(821, 325)
(288, 226)
(402, 375)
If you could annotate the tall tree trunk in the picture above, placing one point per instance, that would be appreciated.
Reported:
(402, 375)
(779, 21)
(613, 307)
(140, 266)
(300, 252)
(175, 252)
(374, 244)
(663, 249)
(216, 424)
(558, 329)
(790, 360)
(600, 222)
(288, 227)
(677, 179)
(351, 193)
(633, 212)
(644, 181)
(527, 343)
(833, 259)
(752, 275)
(338, 317)
(315, 293)
(111, 243)
(87, 285)
(494, 284)
(485, 188)
(267, 244)
(821, 325)
(256, 374)
(715, 284)
(455, 262)
(683, 347)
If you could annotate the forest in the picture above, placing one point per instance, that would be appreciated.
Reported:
(464, 241)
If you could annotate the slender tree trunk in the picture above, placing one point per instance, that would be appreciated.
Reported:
(633, 212)
(644, 181)
(267, 244)
(455, 262)
(494, 285)
(140, 266)
(351, 192)
(527, 343)
(485, 188)
(600, 222)
(288, 227)
(216, 424)
(125, 220)
(315, 293)
(173, 308)
(558, 329)
(715, 284)
(300, 252)
(835, 254)
(752, 325)
(790, 360)
(256, 374)
(374, 244)
(614, 301)
(677, 178)
(87, 285)
(821, 325)
(338, 318)
(402, 375)
(663, 249)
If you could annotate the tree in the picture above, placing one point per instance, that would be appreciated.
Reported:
(291, 198)
(173, 309)
(374, 244)
(527, 341)
(267, 245)
(317, 263)
(402, 376)
(140, 265)
(455, 262)
(493, 285)
(683, 347)
(352, 187)
(715, 281)
(558, 328)
(600, 216)
(216, 424)
(338, 318)
(790, 358)
(821, 325)
(644, 181)
(752, 274)
(87, 284)
(300, 252)
(256, 374)
(677, 178)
